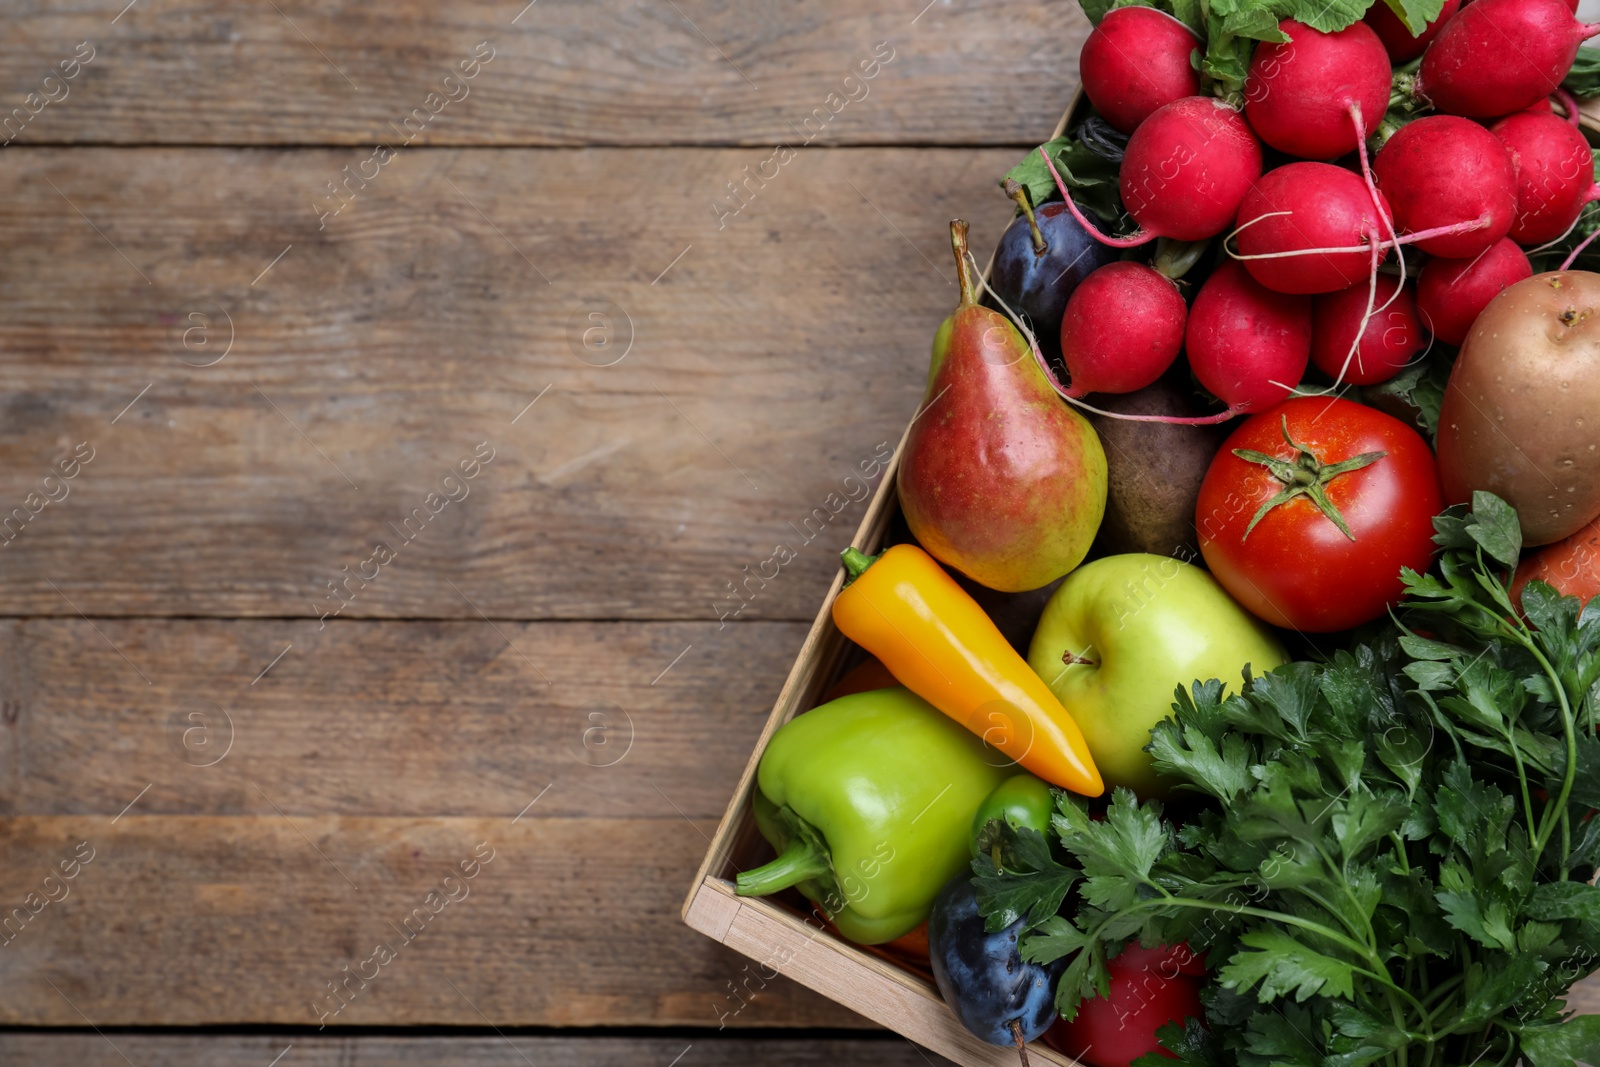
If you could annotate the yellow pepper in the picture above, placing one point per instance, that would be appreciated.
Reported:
(903, 608)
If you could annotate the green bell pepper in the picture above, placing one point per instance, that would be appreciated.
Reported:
(1021, 802)
(869, 800)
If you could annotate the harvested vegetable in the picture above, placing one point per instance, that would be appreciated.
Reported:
(1310, 228)
(1247, 344)
(1520, 413)
(1310, 511)
(1135, 61)
(1451, 293)
(903, 608)
(1450, 174)
(1571, 567)
(1317, 94)
(1386, 322)
(1402, 45)
(1470, 70)
(869, 801)
(1122, 328)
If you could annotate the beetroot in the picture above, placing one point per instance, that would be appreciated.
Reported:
(1301, 97)
(1396, 37)
(1554, 174)
(1443, 171)
(1122, 329)
(1473, 68)
(1451, 292)
(1391, 336)
(1302, 207)
(1136, 61)
(1242, 337)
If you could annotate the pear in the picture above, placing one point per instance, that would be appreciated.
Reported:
(1000, 479)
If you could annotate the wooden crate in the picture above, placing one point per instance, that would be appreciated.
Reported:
(781, 940)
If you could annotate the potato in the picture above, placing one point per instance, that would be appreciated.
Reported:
(1155, 470)
(1522, 410)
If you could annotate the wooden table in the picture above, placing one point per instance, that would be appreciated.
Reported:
(625, 294)
(673, 264)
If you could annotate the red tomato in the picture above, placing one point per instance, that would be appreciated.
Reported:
(1150, 987)
(1572, 566)
(1295, 567)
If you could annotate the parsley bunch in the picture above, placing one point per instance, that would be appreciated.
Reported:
(1385, 856)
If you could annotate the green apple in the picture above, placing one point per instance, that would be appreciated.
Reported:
(1122, 633)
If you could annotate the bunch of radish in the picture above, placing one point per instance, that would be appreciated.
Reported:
(1355, 194)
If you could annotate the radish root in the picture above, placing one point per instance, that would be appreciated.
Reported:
(1133, 240)
(1567, 102)
(1566, 264)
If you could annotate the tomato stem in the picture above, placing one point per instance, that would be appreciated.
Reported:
(1305, 475)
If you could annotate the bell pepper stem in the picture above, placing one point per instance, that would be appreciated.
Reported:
(855, 562)
(804, 859)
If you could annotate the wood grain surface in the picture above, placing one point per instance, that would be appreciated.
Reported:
(283, 918)
(558, 72)
(769, 359)
(275, 826)
(499, 1050)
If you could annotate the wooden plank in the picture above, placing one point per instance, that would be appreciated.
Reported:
(1585, 999)
(610, 72)
(770, 359)
(512, 1050)
(195, 920)
(250, 797)
(369, 718)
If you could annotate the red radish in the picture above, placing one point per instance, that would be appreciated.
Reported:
(1390, 337)
(1444, 172)
(1499, 56)
(1396, 37)
(1122, 329)
(1298, 209)
(1242, 338)
(1136, 61)
(1451, 292)
(1302, 96)
(1183, 174)
(1554, 171)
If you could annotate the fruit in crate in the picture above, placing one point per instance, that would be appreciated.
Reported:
(1122, 633)
(1041, 258)
(995, 993)
(999, 479)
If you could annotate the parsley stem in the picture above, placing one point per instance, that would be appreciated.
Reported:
(1440, 990)
(1379, 974)
(1554, 812)
(1522, 782)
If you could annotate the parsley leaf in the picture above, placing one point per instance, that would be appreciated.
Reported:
(1032, 884)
